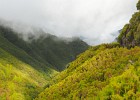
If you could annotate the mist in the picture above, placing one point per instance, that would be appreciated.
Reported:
(94, 21)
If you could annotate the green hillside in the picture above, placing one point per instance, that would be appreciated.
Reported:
(21, 54)
(50, 50)
(104, 72)
(18, 80)
(29, 70)
(21, 76)
(26, 67)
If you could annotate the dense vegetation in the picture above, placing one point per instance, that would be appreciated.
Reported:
(50, 50)
(104, 72)
(130, 34)
(21, 76)
(24, 69)
(18, 80)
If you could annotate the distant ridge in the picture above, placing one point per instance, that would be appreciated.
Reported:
(48, 49)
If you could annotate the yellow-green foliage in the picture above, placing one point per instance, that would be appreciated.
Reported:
(123, 87)
(19, 81)
(101, 73)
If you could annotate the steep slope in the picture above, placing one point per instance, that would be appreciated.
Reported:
(21, 76)
(48, 49)
(9, 47)
(104, 72)
(130, 34)
(26, 67)
(18, 80)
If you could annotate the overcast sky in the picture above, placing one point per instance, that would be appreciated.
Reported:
(93, 20)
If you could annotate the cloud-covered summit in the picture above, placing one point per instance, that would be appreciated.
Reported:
(94, 20)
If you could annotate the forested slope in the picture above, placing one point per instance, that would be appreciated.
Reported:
(21, 76)
(18, 80)
(25, 66)
(48, 49)
(104, 72)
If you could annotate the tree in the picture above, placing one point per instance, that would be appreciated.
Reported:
(138, 5)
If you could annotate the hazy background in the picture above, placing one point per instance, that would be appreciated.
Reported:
(95, 21)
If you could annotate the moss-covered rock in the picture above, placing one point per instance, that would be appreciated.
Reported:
(130, 34)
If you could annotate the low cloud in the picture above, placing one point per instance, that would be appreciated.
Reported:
(93, 20)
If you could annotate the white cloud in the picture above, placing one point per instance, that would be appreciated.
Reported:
(95, 20)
